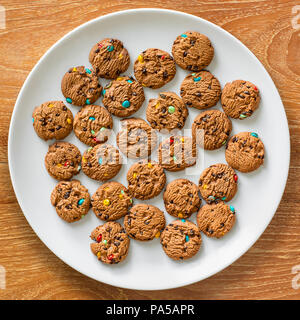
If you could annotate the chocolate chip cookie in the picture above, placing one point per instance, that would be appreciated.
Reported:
(145, 180)
(101, 162)
(80, 86)
(71, 200)
(111, 243)
(218, 182)
(240, 99)
(181, 198)
(123, 97)
(245, 152)
(136, 138)
(52, 120)
(211, 129)
(154, 68)
(192, 51)
(177, 153)
(216, 219)
(181, 239)
(111, 201)
(200, 90)
(92, 125)
(144, 222)
(166, 112)
(109, 58)
(62, 160)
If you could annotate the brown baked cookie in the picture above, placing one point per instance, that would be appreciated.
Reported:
(52, 120)
(240, 99)
(71, 200)
(181, 239)
(101, 162)
(123, 97)
(218, 182)
(166, 112)
(154, 68)
(62, 160)
(109, 58)
(245, 152)
(92, 125)
(112, 243)
(80, 86)
(111, 201)
(181, 198)
(192, 51)
(200, 90)
(136, 138)
(216, 219)
(211, 129)
(177, 153)
(144, 222)
(145, 180)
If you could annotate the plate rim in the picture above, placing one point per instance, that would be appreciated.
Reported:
(234, 257)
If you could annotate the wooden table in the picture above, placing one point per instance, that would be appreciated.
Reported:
(265, 271)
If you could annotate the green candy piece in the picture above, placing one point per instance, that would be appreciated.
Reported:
(171, 109)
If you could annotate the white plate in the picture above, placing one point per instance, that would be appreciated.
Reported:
(147, 267)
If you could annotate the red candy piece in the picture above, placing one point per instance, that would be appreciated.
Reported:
(99, 238)
(255, 88)
(162, 57)
(110, 257)
(100, 45)
(66, 163)
(95, 139)
(171, 140)
(235, 177)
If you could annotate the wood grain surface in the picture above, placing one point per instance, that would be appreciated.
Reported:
(265, 271)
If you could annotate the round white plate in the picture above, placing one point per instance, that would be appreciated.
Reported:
(147, 266)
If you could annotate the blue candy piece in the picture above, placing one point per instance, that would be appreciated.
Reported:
(69, 100)
(253, 134)
(100, 161)
(183, 220)
(88, 71)
(110, 48)
(224, 198)
(32, 120)
(129, 81)
(87, 101)
(183, 35)
(92, 118)
(197, 79)
(126, 104)
(80, 202)
(103, 92)
(232, 209)
(187, 238)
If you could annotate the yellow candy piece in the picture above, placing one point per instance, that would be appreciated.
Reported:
(157, 235)
(180, 215)
(84, 159)
(74, 69)
(143, 84)
(59, 165)
(120, 78)
(134, 175)
(99, 255)
(141, 59)
(182, 139)
(205, 186)
(50, 105)
(106, 202)
(120, 56)
(106, 189)
(105, 174)
(149, 165)
(157, 105)
(69, 120)
(120, 196)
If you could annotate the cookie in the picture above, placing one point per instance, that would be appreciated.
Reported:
(216, 219)
(181, 239)
(200, 90)
(245, 152)
(192, 51)
(111, 201)
(62, 160)
(136, 138)
(211, 129)
(177, 153)
(71, 200)
(154, 68)
(144, 222)
(145, 180)
(52, 120)
(166, 112)
(218, 182)
(80, 86)
(181, 198)
(123, 97)
(240, 99)
(109, 58)
(101, 162)
(111, 243)
(92, 125)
